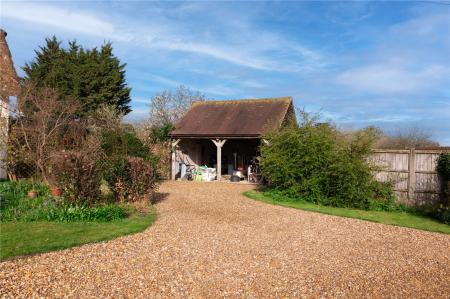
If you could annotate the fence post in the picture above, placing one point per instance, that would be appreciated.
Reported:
(411, 174)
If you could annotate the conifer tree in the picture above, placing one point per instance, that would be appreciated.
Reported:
(94, 77)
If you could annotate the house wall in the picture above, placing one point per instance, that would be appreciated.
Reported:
(3, 137)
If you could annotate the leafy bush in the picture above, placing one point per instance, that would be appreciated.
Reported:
(131, 178)
(79, 173)
(316, 163)
(160, 134)
(442, 214)
(16, 206)
(443, 166)
(121, 142)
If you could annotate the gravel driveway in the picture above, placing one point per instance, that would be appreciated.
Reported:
(210, 241)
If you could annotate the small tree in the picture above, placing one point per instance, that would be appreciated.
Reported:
(166, 108)
(408, 138)
(40, 116)
(169, 106)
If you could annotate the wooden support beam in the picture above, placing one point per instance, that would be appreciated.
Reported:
(219, 144)
(174, 144)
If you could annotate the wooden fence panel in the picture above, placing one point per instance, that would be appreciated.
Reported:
(412, 173)
(427, 182)
(392, 161)
(426, 161)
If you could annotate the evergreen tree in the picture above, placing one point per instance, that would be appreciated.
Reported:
(94, 77)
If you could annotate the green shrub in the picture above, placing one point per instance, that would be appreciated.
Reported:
(383, 197)
(442, 214)
(443, 166)
(120, 142)
(160, 134)
(131, 178)
(316, 163)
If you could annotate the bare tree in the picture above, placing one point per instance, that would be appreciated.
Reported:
(409, 138)
(169, 106)
(166, 108)
(40, 117)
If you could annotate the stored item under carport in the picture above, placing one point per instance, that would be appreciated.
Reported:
(235, 178)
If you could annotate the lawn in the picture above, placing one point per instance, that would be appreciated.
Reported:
(22, 238)
(393, 218)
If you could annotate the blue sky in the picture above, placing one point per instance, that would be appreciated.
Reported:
(359, 63)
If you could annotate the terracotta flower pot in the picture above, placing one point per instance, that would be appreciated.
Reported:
(55, 191)
(32, 194)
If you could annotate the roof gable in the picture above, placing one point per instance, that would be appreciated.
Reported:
(233, 118)
(9, 80)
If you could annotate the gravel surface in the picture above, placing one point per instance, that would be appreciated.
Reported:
(210, 241)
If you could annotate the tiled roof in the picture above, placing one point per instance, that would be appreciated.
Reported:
(233, 118)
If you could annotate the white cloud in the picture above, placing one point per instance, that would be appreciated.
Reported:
(228, 54)
(163, 80)
(163, 32)
(423, 26)
(62, 18)
(386, 78)
(218, 89)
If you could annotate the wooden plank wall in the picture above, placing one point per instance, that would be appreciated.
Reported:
(413, 173)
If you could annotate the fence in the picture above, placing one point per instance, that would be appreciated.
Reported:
(413, 173)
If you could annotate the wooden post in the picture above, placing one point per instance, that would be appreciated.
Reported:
(411, 174)
(219, 143)
(174, 158)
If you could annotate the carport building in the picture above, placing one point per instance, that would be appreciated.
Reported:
(226, 131)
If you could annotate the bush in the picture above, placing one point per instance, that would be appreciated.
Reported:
(442, 214)
(124, 143)
(131, 178)
(316, 163)
(79, 173)
(443, 166)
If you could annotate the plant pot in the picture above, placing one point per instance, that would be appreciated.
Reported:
(55, 191)
(32, 194)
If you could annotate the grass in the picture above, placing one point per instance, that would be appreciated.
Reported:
(23, 238)
(393, 218)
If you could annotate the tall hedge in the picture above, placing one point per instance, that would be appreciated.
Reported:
(317, 163)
